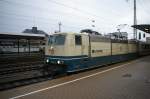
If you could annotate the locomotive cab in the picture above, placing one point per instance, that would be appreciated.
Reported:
(66, 48)
(55, 45)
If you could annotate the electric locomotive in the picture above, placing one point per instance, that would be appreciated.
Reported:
(71, 52)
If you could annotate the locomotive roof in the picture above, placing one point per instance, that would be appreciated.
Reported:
(69, 33)
(100, 38)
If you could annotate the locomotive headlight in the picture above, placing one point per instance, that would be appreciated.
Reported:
(47, 60)
(51, 47)
(58, 62)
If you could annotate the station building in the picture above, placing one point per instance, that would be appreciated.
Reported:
(32, 42)
(143, 32)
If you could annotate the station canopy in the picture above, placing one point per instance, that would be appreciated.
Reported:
(143, 27)
(5, 35)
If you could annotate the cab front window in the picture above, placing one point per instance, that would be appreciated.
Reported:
(57, 39)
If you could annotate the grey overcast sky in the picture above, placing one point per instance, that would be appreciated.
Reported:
(17, 15)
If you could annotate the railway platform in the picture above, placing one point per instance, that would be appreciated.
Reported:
(128, 80)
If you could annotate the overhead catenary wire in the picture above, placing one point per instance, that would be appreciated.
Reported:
(98, 18)
(92, 15)
(32, 17)
(81, 11)
(37, 7)
(49, 24)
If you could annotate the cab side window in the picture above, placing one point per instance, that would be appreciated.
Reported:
(78, 40)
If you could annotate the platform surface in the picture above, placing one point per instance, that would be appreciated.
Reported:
(129, 80)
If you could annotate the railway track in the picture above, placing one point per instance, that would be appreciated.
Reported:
(23, 82)
(20, 58)
(20, 67)
(19, 74)
(23, 70)
(13, 75)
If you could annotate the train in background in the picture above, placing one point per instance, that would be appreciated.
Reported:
(71, 52)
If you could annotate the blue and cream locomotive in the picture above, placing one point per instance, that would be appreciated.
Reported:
(79, 51)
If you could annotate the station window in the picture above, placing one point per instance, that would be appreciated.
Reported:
(144, 35)
(78, 40)
(139, 35)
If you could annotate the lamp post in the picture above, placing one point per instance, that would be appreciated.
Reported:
(134, 19)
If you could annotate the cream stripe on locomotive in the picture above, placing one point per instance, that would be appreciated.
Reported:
(132, 48)
(119, 48)
(100, 49)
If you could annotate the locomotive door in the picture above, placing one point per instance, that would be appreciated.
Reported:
(85, 50)
(78, 44)
(85, 45)
(82, 44)
(81, 49)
